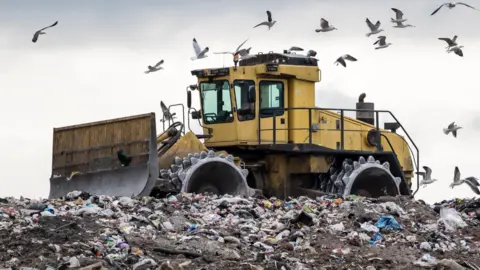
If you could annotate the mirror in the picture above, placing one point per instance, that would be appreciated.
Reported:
(251, 95)
(189, 99)
(196, 115)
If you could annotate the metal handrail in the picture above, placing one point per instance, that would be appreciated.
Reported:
(342, 130)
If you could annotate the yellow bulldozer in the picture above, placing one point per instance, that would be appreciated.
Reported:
(261, 134)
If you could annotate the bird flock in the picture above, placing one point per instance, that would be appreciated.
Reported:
(325, 26)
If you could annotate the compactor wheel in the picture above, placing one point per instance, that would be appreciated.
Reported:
(367, 178)
(207, 172)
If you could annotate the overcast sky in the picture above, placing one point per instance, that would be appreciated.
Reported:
(90, 67)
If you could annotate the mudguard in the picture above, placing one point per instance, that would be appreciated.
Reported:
(89, 151)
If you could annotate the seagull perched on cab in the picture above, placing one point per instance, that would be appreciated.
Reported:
(292, 49)
(40, 32)
(325, 26)
(427, 176)
(451, 128)
(237, 50)
(374, 29)
(450, 6)
(471, 181)
(269, 21)
(157, 67)
(457, 50)
(381, 43)
(451, 42)
(341, 60)
(199, 53)
(398, 16)
(401, 25)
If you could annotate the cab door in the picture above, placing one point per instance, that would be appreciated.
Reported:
(272, 100)
(246, 113)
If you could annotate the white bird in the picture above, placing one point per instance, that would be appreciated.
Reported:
(40, 32)
(450, 6)
(199, 53)
(234, 52)
(292, 49)
(471, 181)
(427, 177)
(374, 29)
(398, 16)
(157, 67)
(325, 26)
(341, 60)
(451, 42)
(269, 21)
(381, 43)
(457, 50)
(401, 25)
(451, 128)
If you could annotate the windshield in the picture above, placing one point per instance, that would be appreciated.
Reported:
(216, 102)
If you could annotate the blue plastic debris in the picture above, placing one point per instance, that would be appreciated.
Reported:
(388, 223)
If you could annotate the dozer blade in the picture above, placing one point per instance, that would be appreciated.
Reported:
(89, 153)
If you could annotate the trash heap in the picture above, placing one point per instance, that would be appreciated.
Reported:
(191, 231)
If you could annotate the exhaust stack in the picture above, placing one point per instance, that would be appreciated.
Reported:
(367, 117)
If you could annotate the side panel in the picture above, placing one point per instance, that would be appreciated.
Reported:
(91, 150)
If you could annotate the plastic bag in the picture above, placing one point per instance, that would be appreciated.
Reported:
(451, 218)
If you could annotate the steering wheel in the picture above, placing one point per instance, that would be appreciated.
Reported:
(212, 116)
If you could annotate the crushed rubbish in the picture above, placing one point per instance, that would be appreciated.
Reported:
(195, 231)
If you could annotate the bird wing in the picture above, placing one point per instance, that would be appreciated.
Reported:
(241, 45)
(55, 23)
(456, 175)
(399, 23)
(381, 40)
(428, 172)
(378, 40)
(451, 125)
(341, 61)
(370, 24)
(323, 23)
(474, 180)
(158, 64)
(398, 13)
(349, 57)
(472, 186)
(436, 10)
(449, 41)
(35, 36)
(467, 5)
(263, 23)
(269, 15)
(224, 53)
(454, 39)
(196, 47)
(295, 48)
(377, 25)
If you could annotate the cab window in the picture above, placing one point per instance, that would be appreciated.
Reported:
(216, 102)
(245, 109)
(271, 98)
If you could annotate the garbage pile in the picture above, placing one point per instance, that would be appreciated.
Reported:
(192, 231)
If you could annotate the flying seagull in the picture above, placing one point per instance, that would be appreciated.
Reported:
(471, 181)
(268, 23)
(292, 49)
(450, 6)
(40, 32)
(381, 43)
(401, 25)
(157, 67)
(325, 26)
(398, 16)
(341, 60)
(234, 52)
(427, 177)
(199, 53)
(457, 50)
(374, 29)
(451, 42)
(451, 128)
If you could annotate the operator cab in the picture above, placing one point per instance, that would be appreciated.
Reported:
(248, 105)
